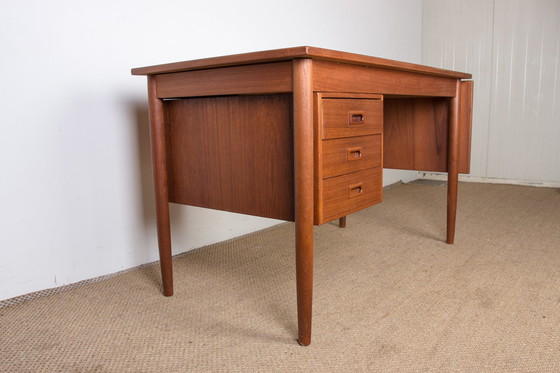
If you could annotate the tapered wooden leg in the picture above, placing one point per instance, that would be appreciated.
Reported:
(453, 164)
(157, 136)
(342, 222)
(303, 179)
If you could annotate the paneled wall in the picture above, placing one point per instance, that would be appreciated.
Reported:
(512, 48)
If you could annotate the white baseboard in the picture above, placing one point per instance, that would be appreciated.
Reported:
(490, 180)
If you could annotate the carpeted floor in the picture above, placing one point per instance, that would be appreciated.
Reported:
(390, 296)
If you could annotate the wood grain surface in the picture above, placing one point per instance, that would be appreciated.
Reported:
(248, 79)
(232, 153)
(330, 76)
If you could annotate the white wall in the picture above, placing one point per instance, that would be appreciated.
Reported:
(75, 188)
(512, 48)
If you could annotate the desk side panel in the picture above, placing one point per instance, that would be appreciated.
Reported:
(336, 77)
(232, 153)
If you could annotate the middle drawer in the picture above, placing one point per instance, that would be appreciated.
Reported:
(342, 156)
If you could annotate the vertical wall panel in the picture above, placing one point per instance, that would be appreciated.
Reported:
(457, 34)
(512, 48)
(524, 137)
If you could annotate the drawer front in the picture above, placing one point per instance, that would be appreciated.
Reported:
(346, 117)
(345, 155)
(343, 195)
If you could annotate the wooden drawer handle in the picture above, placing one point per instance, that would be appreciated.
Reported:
(354, 154)
(355, 190)
(355, 118)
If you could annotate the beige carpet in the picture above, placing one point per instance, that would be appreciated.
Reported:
(390, 296)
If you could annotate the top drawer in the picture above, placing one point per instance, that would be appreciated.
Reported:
(346, 117)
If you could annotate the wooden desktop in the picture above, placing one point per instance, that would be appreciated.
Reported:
(300, 134)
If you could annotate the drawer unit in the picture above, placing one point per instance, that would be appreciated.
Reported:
(349, 153)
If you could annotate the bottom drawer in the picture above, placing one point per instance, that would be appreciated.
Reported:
(343, 195)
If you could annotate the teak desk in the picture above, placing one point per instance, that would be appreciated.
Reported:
(300, 134)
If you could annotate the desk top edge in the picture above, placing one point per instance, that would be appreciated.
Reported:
(287, 54)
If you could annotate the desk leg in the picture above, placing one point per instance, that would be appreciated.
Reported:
(159, 166)
(453, 163)
(303, 180)
(342, 222)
